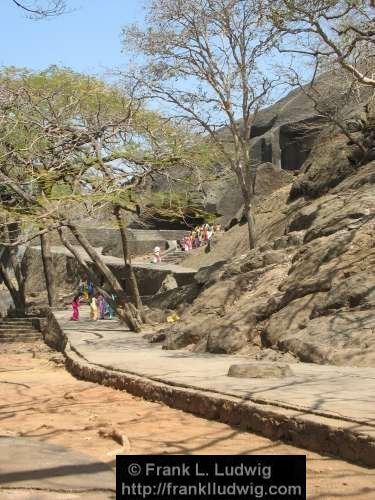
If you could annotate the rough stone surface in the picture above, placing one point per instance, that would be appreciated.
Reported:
(227, 198)
(308, 289)
(260, 370)
(171, 299)
(327, 166)
(208, 275)
(169, 283)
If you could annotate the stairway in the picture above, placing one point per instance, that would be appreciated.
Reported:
(174, 257)
(18, 330)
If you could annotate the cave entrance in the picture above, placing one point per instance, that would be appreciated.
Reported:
(296, 142)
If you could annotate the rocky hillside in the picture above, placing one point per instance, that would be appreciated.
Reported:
(308, 290)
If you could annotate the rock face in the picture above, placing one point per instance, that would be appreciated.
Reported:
(226, 198)
(308, 290)
(67, 272)
(260, 370)
(285, 135)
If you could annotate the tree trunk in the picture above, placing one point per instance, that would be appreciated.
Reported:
(48, 269)
(127, 311)
(250, 226)
(129, 271)
(17, 297)
(20, 299)
(17, 294)
(246, 180)
(90, 273)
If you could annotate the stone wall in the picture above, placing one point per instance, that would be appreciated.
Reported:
(68, 274)
(141, 241)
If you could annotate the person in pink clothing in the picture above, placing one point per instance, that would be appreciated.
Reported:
(75, 307)
(190, 239)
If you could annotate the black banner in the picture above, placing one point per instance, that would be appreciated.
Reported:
(225, 477)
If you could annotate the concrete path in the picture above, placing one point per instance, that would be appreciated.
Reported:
(116, 261)
(346, 393)
(30, 468)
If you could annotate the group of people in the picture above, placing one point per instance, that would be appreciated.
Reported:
(198, 237)
(99, 306)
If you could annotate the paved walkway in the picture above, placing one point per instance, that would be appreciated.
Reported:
(35, 469)
(116, 261)
(346, 394)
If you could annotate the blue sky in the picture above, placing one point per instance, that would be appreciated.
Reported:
(87, 40)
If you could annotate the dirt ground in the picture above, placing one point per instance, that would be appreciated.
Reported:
(39, 398)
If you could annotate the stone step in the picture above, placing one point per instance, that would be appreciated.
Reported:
(16, 320)
(18, 325)
(10, 339)
(9, 333)
(13, 326)
(20, 331)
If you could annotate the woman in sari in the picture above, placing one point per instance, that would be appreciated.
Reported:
(93, 309)
(75, 307)
(102, 306)
(109, 309)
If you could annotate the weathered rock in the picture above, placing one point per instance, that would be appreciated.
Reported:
(67, 271)
(169, 283)
(346, 338)
(332, 325)
(209, 274)
(260, 369)
(327, 166)
(183, 334)
(157, 337)
(155, 316)
(351, 215)
(292, 239)
(307, 291)
(357, 290)
(227, 338)
(226, 198)
(303, 218)
(275, 355)
(274, 257)
(171, 299)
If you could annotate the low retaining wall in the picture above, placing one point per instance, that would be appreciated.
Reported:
(320, 434)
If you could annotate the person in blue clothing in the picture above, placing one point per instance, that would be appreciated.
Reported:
(90, 288)
(109, 309)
